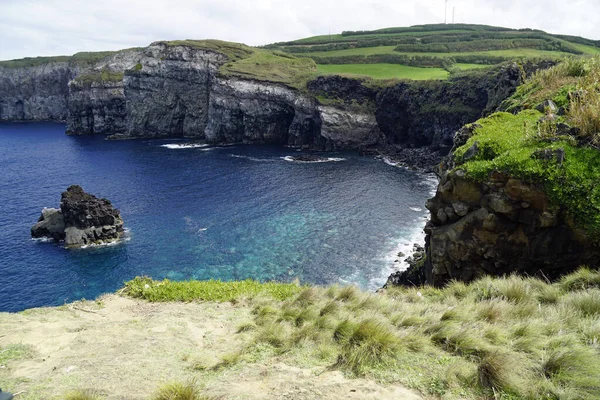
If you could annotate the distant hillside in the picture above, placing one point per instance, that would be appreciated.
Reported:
(443, 48)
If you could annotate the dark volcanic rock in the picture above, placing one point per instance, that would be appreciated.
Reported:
(82, 219)
(50, 225)
(346, 89)
(414, 275)
(497, 227)
(428, 113)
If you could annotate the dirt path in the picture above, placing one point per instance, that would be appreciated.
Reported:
(126, 349)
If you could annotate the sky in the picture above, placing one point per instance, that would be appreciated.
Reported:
(31, 28)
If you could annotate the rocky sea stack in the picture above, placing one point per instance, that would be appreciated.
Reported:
(83, 219)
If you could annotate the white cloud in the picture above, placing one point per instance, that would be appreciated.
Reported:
(52, 27)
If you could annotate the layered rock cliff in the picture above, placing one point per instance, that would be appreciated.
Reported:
(179, 90)
(37, 93)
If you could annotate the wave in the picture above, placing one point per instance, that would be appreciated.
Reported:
(43, 240)
(416, 209)
(252, 158)
(184, 145)
(324, 160)
(390, 162)
(392, 260)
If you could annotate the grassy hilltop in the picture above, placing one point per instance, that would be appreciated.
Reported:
(421, 52)
(440, 48)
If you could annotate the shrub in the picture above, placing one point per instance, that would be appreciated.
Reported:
(574, 366)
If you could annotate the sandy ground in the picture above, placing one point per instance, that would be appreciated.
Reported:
(126, 349)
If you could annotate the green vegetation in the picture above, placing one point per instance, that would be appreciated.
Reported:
(166, 290)
(384, 71)
(15, 352)
(233, 51)
(103, 76)
(264, 65)
(440, 46)
(81, 59)
(502, 338)
(559, 152)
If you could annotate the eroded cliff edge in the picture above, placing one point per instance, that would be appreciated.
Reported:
(220, 92)
(519, 192)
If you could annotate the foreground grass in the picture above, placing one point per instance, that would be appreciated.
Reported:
(384, 71)
(506, 338)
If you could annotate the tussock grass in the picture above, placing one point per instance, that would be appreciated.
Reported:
(582, 279)
(503, 338)
(179, 391)
(83, 394)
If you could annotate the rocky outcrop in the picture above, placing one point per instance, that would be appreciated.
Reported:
(343, 129)
(97, 96)
(82, 219)
(500, 226)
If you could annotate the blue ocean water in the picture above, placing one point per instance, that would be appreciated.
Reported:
(225, 213)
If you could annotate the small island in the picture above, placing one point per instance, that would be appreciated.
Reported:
(82, 219)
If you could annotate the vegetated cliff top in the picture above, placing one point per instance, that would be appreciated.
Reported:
(443, 46)
(255, 63)
(503, 338)
(83, 59)
(554, 145)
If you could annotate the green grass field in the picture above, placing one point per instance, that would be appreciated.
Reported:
(384, 71)
(450, 47)
(513, 53)
(465, 67)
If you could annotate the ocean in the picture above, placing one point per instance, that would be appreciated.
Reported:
(200, 212)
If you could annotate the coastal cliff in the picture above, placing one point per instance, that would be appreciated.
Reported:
(519, 192)
(220, 92)
(36, 93)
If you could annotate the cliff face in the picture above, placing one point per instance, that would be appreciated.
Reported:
(420, 114)
(497, 227)
(37, 93)
(96, 108)
(257, 112)
(167, 93)
(172, 90)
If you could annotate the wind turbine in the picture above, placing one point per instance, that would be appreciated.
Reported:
(446, 12)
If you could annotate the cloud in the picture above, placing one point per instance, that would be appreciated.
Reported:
(53, 27)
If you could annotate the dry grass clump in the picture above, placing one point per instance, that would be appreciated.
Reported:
(179, 391)
(83, 394)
